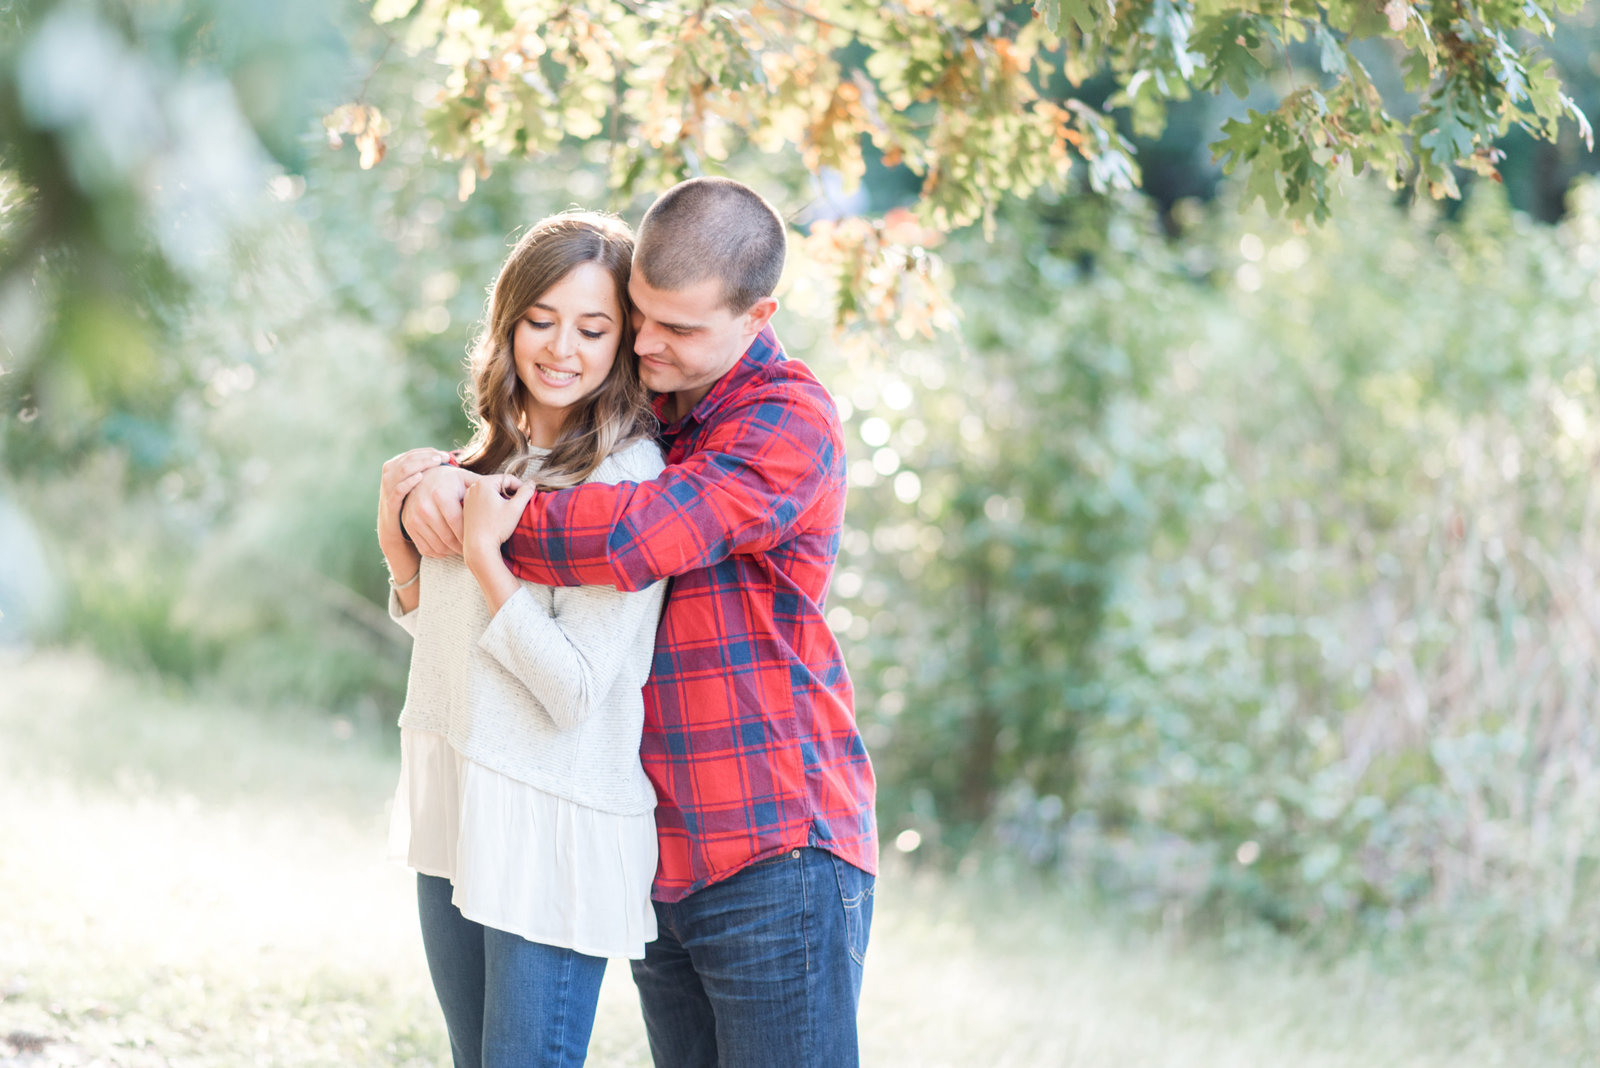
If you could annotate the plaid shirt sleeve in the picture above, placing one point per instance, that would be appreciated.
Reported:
(768, 460)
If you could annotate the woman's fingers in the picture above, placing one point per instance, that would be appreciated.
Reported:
(407, 464)
(500, 485)
(424, 456)
(411, 483)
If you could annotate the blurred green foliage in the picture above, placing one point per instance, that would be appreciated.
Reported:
(1254, 568)
(194, 426)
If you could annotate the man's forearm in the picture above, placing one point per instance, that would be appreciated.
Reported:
(556, 544)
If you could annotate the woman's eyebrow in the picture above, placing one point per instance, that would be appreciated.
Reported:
(584, 315)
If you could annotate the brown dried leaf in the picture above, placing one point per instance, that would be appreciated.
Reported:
(371, 147)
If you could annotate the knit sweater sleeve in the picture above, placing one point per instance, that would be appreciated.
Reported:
(569, 655)
(407, 620)
(569, 658)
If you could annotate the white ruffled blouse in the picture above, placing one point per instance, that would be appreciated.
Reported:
(522, 860)
(519, 752)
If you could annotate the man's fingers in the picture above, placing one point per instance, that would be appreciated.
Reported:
(417, 527)
(429, 542)
(437, 526)
(453, 525)
(446, 534)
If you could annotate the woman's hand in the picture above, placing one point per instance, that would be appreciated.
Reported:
(490, 512)
(400, 475)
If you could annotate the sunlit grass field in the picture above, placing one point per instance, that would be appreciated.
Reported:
(190, 882)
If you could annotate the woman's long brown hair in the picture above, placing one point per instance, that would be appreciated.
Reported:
(615, 413)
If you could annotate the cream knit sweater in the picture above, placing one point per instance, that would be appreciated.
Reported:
(549, 691)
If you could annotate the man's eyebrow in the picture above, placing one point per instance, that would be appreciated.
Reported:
(584, 315)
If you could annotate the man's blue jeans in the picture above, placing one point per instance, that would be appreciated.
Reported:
(762, 969)
(507, 1001)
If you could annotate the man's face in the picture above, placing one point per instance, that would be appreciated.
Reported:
(687, 338)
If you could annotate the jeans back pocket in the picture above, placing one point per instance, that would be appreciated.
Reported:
(855, 893)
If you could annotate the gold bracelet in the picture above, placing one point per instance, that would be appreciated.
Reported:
(407, 584)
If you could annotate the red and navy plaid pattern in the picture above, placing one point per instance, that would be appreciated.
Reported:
(749, 730)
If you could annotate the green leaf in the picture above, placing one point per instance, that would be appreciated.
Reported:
(1331, 52)
(1444, 130)
(1263, 182)
(1082, 12)
(1228, 43)
(1241, 141)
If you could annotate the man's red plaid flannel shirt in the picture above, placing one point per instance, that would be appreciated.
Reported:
(749, 724)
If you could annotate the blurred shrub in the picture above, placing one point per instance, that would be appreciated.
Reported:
(211, 511)
(1254, 568)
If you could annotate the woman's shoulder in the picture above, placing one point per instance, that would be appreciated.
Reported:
(638, 461)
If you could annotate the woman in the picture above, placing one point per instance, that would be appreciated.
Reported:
(522, 805)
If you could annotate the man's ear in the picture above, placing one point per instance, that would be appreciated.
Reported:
(760, 314)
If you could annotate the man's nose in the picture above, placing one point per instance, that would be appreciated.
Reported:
(648, 339)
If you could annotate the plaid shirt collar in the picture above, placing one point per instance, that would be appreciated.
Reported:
(762, 353)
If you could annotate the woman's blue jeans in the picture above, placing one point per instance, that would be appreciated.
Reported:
(507, 1001)
(762, 969)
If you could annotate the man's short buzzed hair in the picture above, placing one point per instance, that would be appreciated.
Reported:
(712, 228)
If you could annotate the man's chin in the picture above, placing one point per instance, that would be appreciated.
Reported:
(658, 383)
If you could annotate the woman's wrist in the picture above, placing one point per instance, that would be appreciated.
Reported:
(494, 576)
(402, 559)
(401, 584)
(482, 557)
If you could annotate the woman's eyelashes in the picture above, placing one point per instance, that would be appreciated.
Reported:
(544, 324)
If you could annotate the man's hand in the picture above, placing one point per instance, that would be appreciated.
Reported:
(432, 511)
(401, 475)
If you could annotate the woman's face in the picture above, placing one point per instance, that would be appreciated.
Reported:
(564, 345)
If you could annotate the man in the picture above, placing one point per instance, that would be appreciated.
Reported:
(765, 816)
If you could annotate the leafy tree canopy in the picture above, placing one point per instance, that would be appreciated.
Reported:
(981, 98)
(129, 131)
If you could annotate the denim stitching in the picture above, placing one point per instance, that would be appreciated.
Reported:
(806, 923)
(563, 995)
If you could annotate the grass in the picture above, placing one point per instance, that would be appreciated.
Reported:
(187, 882)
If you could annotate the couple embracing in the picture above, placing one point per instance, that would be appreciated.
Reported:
(628, 730)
